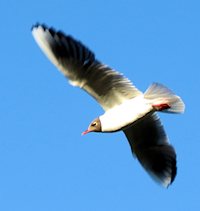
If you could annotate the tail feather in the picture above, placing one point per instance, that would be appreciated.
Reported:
(162, 97)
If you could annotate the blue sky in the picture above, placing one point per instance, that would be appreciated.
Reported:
(45, 162)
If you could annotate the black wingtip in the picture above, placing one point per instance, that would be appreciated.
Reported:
(163, 164)
(51, 30)
(174, 171)
(44, 26)
(35, 26)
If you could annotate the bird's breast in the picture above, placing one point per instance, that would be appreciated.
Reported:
(124, 114)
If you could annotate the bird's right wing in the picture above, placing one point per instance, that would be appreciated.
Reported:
(80, 66)
(149, 143)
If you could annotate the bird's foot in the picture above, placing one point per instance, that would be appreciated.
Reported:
(161, 106)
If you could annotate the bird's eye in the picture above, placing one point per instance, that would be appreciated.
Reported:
(93, 124)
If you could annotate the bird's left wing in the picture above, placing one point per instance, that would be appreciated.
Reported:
(80, 66)
(149, 143)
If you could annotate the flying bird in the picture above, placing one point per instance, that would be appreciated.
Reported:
(126, 108)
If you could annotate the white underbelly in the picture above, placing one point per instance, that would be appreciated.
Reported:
(124, 114)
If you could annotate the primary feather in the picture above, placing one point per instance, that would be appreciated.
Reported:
(80, 66)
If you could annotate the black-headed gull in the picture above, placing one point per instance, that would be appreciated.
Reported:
(126, 108)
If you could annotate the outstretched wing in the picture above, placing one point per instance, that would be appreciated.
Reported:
(79, 65)
(149, 143)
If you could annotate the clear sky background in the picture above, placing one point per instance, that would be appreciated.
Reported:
(45, 163)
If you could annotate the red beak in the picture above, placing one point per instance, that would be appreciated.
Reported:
(85, 132)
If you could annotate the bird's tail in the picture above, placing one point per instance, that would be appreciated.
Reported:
(163, 99)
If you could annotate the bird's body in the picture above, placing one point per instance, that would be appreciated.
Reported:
(126, 108)
(125, 114)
